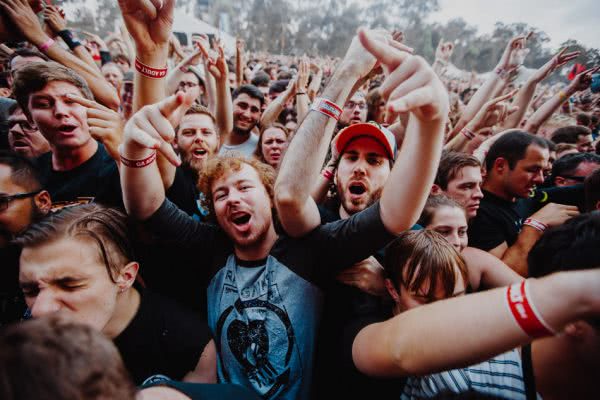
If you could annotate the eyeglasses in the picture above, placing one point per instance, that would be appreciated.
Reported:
(187, 84)
(24, 125)
(351, 105)
(574, 178)
(5, 200)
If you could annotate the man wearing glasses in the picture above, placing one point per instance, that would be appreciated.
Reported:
(572, 169)
(24, 138)
(354, 111)
(22, 202)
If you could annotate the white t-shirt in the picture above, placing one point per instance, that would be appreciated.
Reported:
(246, 148)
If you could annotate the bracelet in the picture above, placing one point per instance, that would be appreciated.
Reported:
(138, 163)
(67, 37)
(300, 93)
(468, 133)
(46, 45)
(327, 174)
(327, 107)
(534, 223)
(524, 311)
(149, 72)
(562, 95)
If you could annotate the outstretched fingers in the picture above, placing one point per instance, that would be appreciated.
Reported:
(383, 52)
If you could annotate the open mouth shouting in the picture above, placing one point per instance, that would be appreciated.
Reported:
(357, 189)
(66, 129)
(241, 221)
(199, 153)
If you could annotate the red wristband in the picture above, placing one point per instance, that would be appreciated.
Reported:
(327, 107)
(138, 163)
(327, 174)
(525, 312)
(46, 45)
(149, 72)
(534, 223)
(468, 133)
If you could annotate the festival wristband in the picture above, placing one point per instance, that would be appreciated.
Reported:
(138, 163)
(67, 37)
(468, 133)
(300, 93)
(524, 311)
(46, 45)
(534, 223)
(327, 107)
(149, 72)
(327, 174)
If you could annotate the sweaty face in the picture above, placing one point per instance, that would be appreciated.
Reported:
(19, 212)
(60, 120)
(242, 207)
(197, 139)
(246, 113)
(528, 172)
(24, 137)
(451, 223)
(409, 300)
(113, 74)
(361, 174)
(66, 277)
(354, 111)
(465, 188)
(274, 144)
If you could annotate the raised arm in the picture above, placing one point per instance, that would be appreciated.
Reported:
(411, 86)
(302, 163)
(526, 92)
(276, 106)
(508, 62)
(23, 17)
(239, 62)
(580, 83)
(149, 130)
(468, 329)
(224, 107)
(175, 75)
(302, 97)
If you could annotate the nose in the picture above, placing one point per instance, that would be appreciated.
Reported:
(45, 304)
(454, 240)
(60, 109)
(478, 194)
(539, 177)
(360, 167)
(233, 197)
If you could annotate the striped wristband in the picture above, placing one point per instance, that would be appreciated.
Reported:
(534, 223)
(327, 107)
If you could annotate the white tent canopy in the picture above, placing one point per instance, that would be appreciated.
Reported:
(188, 25)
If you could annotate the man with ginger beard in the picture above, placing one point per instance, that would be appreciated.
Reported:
(196, 140)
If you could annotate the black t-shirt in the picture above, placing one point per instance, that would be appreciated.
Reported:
(264, 314)
(162, 338)
(97, 180)
(184, 192)
(12, 303)
(499, 220)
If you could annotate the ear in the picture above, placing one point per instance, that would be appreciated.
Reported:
(500, 165)
(436, 190)
(127, 276)
(392, 290)
(43, 201)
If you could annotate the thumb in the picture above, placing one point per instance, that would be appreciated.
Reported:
(383, 52)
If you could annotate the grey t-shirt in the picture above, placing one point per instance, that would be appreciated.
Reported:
(247, 148)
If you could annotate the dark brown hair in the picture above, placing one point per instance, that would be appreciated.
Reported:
(34, 77)
(48, 358)
(418, 257)
(450, 165)
(108, 228)
(258, 152)
(433, 203)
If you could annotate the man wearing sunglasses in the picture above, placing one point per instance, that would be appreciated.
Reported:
(247, 106)
(22, 202)
(572, 169)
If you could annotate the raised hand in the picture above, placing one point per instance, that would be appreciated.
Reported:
(106, 125)
(153, 127)
(583, 80)
(444, 51)
(303, 75)
(217, 66)
(411, 85)
(55, 19)
(493, 112)
(514, 53)
(149, 23)
(23, 17)
(559, 59)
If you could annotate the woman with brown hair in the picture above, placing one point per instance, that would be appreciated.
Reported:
(272, 144)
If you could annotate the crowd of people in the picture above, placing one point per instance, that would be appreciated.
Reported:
(177, 222)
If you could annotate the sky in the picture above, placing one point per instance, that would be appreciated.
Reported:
(560, 19)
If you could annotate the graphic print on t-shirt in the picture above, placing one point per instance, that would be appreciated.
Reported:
(253, 329)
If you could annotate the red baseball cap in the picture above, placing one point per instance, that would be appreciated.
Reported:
(367, 129)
